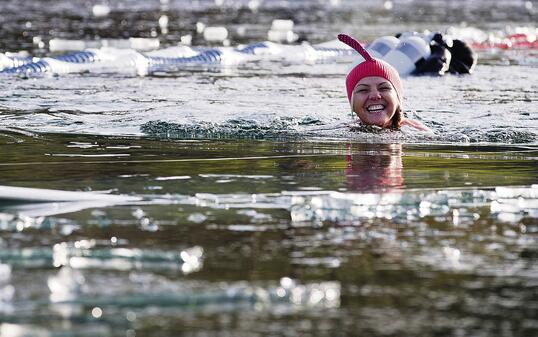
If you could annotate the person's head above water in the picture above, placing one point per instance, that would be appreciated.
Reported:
(374, 89)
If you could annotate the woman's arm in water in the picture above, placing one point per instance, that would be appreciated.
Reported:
(415, 124)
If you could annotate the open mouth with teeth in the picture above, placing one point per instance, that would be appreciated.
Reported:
(375, 108)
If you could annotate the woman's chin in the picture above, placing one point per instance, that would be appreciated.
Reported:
(378, 119)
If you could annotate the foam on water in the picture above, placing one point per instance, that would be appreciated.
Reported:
(200, 92)
(476, 108)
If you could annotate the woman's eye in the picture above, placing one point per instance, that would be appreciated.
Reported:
(362, 90)
(384, 88)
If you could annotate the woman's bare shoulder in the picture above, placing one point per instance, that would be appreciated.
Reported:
(416, 124)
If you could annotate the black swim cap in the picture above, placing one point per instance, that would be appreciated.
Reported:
(463, 58)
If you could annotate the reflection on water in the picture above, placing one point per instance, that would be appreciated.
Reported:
(248, 236)
(374, 167)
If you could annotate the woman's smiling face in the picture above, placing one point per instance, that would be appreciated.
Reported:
(375, 101)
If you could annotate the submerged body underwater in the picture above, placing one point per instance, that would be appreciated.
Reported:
(206, 198)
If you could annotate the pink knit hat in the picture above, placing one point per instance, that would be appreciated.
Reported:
(369, 67)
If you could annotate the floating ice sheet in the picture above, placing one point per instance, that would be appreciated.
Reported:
(85, 254)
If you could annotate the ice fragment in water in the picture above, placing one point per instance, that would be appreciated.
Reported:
(215, 34)
(197, 218)
(163, 24)
(192, 259)
(282, 31)
(282, 25)
(7, 291)
(66, 285)
(83, 255)
(513, 192)
(100, 10)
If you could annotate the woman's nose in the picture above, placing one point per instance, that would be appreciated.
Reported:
(375, 94)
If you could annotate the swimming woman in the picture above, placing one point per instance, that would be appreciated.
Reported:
(374, 91)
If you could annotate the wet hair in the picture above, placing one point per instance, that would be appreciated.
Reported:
(397, 119)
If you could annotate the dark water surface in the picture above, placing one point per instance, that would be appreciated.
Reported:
(247, 20)
(247, 238)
